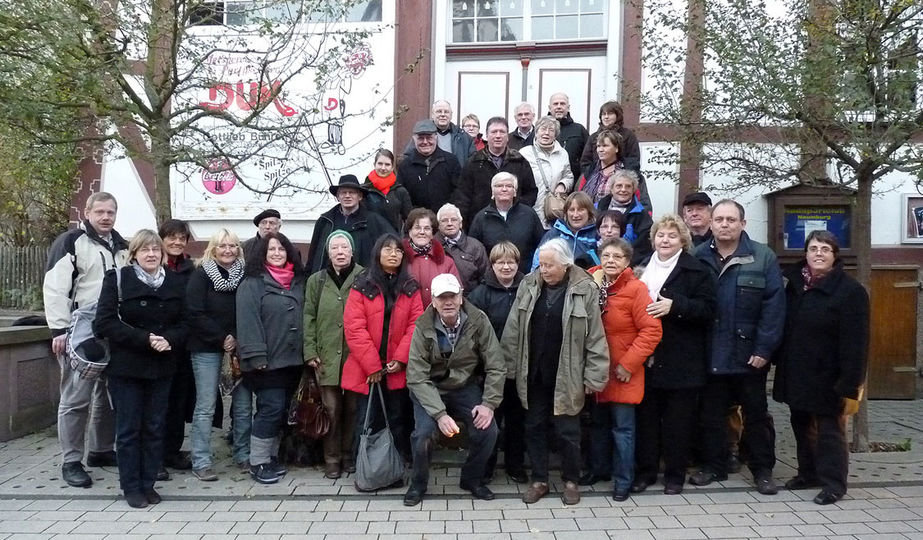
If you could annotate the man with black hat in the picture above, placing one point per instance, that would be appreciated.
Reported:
(429, 173)
(267, 221)
(348, 215)
(697, 215)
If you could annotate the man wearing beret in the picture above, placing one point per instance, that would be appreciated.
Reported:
(348, 215)
(267, 221)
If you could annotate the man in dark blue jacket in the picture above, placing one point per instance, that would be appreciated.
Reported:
(748, 327)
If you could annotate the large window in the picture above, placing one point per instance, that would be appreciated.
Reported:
(249, 12)
(486, 21)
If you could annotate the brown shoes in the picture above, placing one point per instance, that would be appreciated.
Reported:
(571, 493)
(535, 492)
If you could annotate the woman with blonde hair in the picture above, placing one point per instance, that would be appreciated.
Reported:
(682, 297)
(211, 311)
(140, 312)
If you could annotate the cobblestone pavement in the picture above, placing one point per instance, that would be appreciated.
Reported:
(885, 501)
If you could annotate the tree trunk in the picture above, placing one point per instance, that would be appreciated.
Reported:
(862, 244)
(161, 165)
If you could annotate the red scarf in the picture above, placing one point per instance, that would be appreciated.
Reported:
(283, 275)
(382, 183)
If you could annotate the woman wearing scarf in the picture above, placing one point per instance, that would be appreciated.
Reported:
(140, 312)
(682, 297)
(632, 334)
(212, 316)
(384, 195)
(425, 259)
(821, 366)
(325, 349)
(270, 334)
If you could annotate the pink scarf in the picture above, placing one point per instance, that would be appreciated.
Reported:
(283, 275)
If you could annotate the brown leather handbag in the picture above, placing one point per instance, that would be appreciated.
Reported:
(307, 414)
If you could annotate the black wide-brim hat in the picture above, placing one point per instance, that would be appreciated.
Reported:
(350, 181)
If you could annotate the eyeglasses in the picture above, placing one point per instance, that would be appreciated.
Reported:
(471, 126)
(506, 263)
(417, 228)
(826, 250)
(228, 246)
(616, 256)
(391, 249)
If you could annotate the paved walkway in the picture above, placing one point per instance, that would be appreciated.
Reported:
(885, 501)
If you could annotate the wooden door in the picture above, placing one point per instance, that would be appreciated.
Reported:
(893, 348)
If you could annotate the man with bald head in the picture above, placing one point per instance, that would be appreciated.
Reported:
(573, 135)
(449, 137)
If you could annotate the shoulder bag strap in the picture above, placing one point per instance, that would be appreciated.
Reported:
(541, 169)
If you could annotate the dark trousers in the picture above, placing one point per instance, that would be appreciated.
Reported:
(759, 435)
(271, 410)
(140, 408)
(823, 454)
(666, 422)
(182, 401)
(458, 404)
(400, 417)
(511, 418)
(539, 418)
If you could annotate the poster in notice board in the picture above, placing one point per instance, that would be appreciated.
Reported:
(801, 220)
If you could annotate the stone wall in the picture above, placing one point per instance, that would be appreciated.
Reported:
(29, 381)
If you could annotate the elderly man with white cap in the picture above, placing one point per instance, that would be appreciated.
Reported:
(452, 343)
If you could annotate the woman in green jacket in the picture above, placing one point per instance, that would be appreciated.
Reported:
(325, 348)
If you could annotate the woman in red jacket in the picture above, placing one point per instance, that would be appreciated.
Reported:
(378, 322)
(425, 259)
(632, 335)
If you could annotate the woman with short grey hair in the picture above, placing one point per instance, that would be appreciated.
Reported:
(550, 166)
(552, 373)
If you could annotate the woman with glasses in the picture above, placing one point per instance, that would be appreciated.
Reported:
(211, 310)
(378, 323)
(425, 259)
(471, 125)
(820, 369)
(632, 334)
(140, 312)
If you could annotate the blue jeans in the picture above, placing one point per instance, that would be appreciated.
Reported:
(140, 415)
(242, 420)
(614, 427)
(206, 367)
(271, 409)
(459, 404)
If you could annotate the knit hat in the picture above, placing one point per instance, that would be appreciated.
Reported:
(344, 234)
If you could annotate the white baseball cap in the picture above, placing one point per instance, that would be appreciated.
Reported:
(445, 283)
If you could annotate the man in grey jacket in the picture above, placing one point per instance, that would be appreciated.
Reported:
(77, 261)
(452, 343)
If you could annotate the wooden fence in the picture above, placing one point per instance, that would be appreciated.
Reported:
(21, 272)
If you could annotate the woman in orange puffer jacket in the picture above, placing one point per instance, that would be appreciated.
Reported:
(632, 335)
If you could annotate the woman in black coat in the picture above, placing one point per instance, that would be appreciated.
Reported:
(495, 297)
(821, 365)
(270, 337)
(683, 293)
(140, 312)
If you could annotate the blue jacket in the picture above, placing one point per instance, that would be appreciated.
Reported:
(638, 223)
(583, 242)
(750, 311)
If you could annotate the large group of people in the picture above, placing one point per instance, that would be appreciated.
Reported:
(515, 285)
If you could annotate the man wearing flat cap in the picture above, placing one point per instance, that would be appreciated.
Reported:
(429, 173)
(267, 221)
(348, 215)
(697, 215)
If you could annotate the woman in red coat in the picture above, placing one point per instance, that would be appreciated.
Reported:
(378, 322)
(632, 335)
(425, 259)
